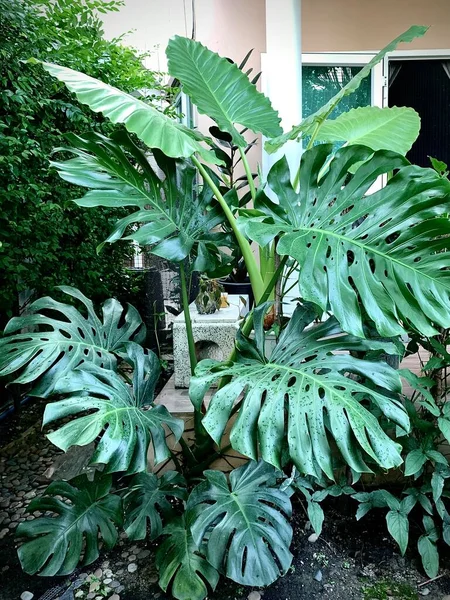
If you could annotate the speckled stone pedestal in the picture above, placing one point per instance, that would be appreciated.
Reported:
(214, 337)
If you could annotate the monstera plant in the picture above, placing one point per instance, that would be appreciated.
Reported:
(366, 233)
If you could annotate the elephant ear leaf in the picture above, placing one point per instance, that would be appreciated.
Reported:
(318, 118)
(146, 502)
(221, 90)
(121, 419)
(242, 525)
(391, 128)
(387, 250)
(311, 390)
(153, 127)
(182, 568)
(65, 339)
(83, 513)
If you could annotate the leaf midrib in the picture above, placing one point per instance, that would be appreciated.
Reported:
(369, 249)
(207, 85)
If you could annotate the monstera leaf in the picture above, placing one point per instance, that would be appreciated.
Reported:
(386, 250)
(154, 128)
(170, 221)
(316, 120)
(304, 394)
(242, 525)
(181, 566)
(122, 419)
(65, 339)
(221, 90)
(147, 500)
(85, 512)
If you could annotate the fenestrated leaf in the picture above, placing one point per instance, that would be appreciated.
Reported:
(172, 223)
(55, 543)
(221, 90)
(303, 394)
(181, 566)
(242, 524)
(146, 503)
(394, 128)
(122, 419)
(154, 128)
(386, 250)
(65, 339)
(317, 118)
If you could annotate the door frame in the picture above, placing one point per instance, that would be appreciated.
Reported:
(408, 55)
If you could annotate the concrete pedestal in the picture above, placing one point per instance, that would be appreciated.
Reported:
(214, 337)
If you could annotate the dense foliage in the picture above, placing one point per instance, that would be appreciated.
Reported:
(315, 414)
(46, 239)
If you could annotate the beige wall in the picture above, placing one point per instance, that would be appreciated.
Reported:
(230, 27)
(341, 25)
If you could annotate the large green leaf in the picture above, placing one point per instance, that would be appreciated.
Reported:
(181, 566)
(386, 249)
(65, 339)
(304, 394)
(85, 513)
(242, 525)
(308, 125)
(154, 128)
(120, 418)
(146, 502)
(171, 222)
(428, 549)
(221, 90)
(392, 128)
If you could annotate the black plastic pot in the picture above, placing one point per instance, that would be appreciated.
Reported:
(240, 289)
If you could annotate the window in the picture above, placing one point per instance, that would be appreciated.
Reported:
(423, 83)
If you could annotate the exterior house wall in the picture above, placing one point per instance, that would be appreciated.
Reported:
(358, 25)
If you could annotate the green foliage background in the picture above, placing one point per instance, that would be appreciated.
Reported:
(46, 239)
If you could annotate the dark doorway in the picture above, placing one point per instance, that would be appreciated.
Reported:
(425, 86)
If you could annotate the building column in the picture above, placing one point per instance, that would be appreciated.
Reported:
(282, 70)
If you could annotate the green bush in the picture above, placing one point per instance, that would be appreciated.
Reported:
(46, 239)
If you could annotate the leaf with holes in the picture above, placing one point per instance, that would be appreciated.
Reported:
(153, 127)
(310, 389)
(171, 218)
(182, 568)
(386, 250)
(146, 503)
(121, 419)
(65, 339)
(85, 513)
(221, 90)
(242, 524)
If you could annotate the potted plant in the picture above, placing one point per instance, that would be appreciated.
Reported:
(325, 404)
(209, 296)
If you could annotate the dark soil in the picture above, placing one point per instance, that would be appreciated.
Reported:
(351, 560)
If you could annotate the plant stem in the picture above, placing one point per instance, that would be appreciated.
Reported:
(296, 183)
(187, 318)
(249, 258)
(248, 323)
(248, 172)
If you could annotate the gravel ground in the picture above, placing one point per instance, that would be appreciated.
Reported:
(350, 561)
